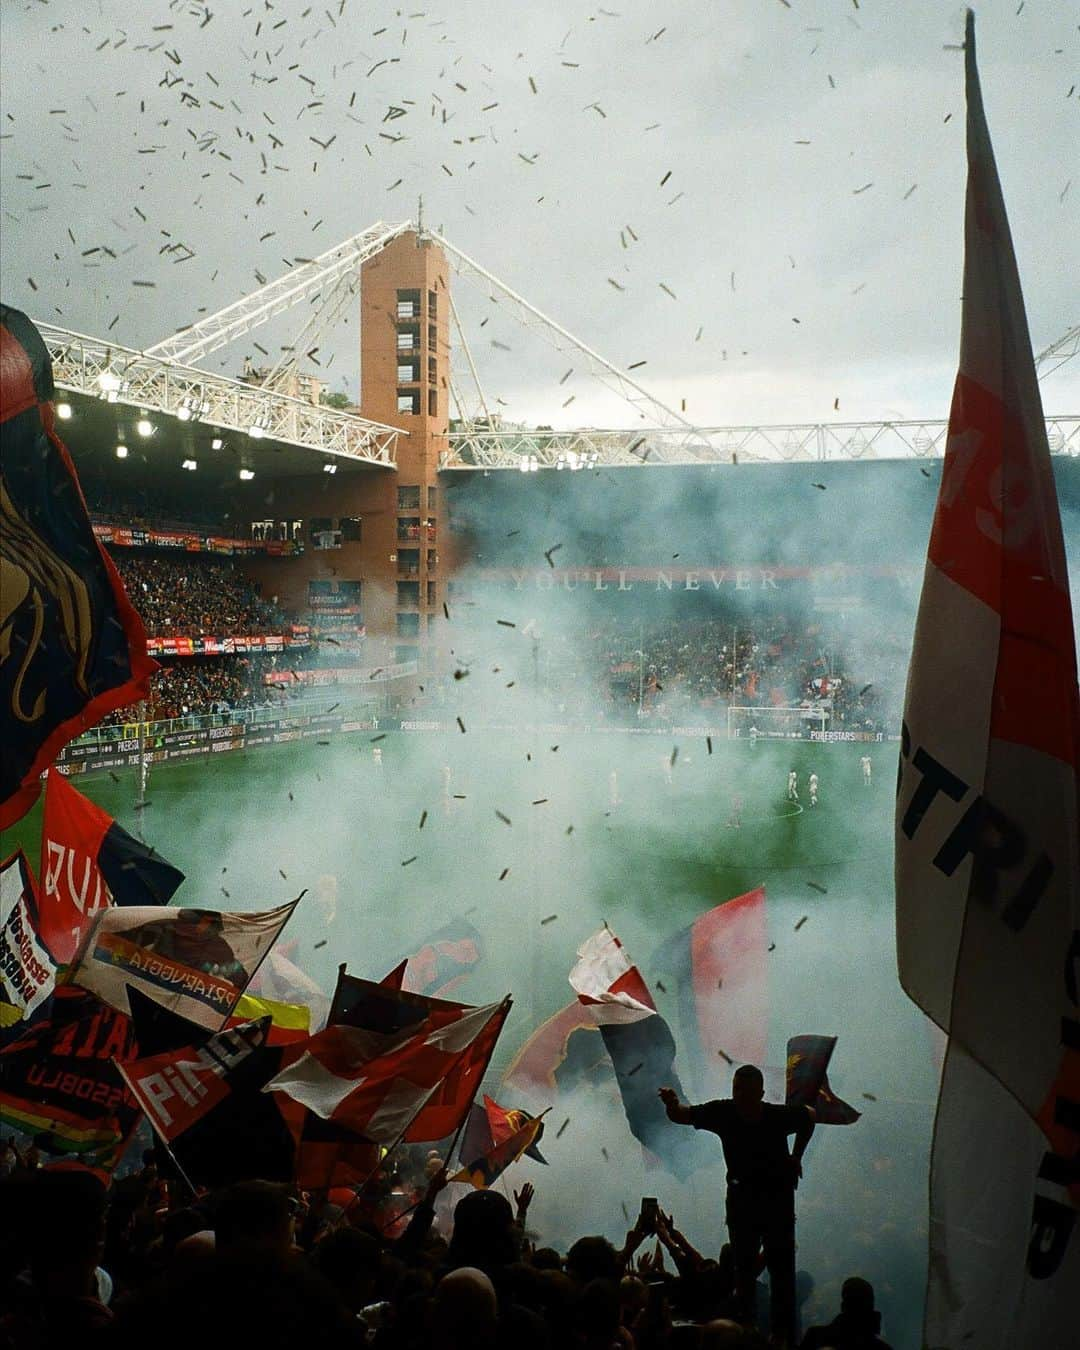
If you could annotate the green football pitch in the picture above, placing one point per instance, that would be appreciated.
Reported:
(537, 838)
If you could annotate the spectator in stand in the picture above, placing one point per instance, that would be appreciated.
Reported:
(856, 1327)
(200, 597)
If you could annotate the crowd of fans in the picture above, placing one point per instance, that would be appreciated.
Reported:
(661, 672)
(195, 686)
(195, 596)
(383, 1264)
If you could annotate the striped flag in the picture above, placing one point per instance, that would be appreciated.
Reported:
(89, 861)
(720, 967)
(613, 993)
(378, 1084)
(987, 827)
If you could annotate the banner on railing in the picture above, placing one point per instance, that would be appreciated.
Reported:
(190, 541)
(92, 755)
(228, 646)
(339, 675)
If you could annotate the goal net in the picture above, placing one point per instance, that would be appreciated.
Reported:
(775, 724)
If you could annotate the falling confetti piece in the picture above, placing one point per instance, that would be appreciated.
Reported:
(461, 725)
(562, 1127)
(321, 943)
(724, 1055)
(550, 919)
(801, 922)
(423, 818)
(869, 1096)
(504, 874)
(505, 819)
(823, 890)
(410, 860)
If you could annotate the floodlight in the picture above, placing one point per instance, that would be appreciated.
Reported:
(144, 427)
(246, 475)
(63, 411)
(121, 452)
(190, 464)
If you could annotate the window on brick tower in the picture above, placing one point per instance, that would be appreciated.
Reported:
(408, 304)
(408, 339)
(432, 595)
(408, 498)
(408, 401)
(433, 402)
(351, 529)
(432, 304)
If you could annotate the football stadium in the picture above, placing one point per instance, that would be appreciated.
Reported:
(587, 736)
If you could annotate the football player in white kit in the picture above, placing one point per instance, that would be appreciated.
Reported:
(792, 786)
(866, 764)
(813, 789)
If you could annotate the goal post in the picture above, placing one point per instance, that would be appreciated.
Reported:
(775, 724)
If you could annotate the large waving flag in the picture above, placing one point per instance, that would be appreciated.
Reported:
(719, 967)
(58, 1077)
(535, 1069)
(71, 646)
(988, 834)
(807, 1082)
(178, 1087)
(196, 962)
(484, 1169)
(282, 980)
(27, 973)
(443, 959)
(642, 1049)
(378, 1084)
(89, 861)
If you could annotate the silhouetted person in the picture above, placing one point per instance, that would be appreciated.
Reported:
(857, 1326)
(762, 1176)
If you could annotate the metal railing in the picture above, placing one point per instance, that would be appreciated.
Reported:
(247, 717)
(479, 448)
(88, 366)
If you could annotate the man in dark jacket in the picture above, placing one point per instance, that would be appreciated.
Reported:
(762, 1176)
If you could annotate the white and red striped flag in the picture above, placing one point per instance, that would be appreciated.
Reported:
(988, 830)
(375, 1084)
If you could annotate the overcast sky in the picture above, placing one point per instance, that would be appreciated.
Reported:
(791, 171)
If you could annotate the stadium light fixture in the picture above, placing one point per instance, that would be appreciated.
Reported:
(63, 411)
(190, 464)
(121, 451)
(109, 382)
(184, 413)
(216, 443)
(246, 475)
(144, 427)
(329, 468)
(256, 431)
